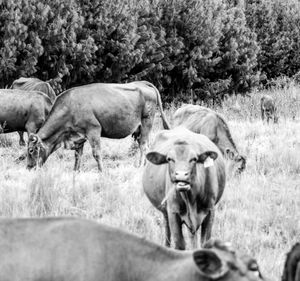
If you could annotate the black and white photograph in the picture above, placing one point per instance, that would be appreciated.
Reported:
(149, 140)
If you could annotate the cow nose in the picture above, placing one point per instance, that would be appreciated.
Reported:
(181, 175)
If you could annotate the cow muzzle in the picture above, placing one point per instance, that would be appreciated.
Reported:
(182, 181)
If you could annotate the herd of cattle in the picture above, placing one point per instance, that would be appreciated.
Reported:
(184, 178)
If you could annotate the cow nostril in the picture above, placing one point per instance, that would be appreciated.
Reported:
(181, 174)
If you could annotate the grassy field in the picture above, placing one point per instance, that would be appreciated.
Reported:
(259, 212)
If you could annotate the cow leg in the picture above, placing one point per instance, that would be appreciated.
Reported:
(93, 137)
(206, 226)
(176, 231)
(262, 115)
(144, 138)
(167, 230)
(194, 240)
(21, 141)
(78, 154)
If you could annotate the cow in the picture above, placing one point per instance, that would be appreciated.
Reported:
(202, 120)
(90, 111)
(268, 109)
(69, 249)
(291, 271)
(33, 84)
(184, 178)
(23, 110)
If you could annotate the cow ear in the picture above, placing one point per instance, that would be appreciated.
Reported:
(210, 264)
(156, 158)
(203, 156)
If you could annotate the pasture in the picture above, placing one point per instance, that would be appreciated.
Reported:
(259, 212)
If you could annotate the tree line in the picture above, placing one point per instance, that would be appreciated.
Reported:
(202, 49)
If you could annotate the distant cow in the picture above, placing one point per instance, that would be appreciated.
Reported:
(33, 84)
(202, 120)
(88, 112)
(23, 110)
(291, 271)
(268, 109)
(68, 249)
(184, 179)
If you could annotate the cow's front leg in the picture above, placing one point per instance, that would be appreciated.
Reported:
(206, 226)
(167, 229)
(176, 231)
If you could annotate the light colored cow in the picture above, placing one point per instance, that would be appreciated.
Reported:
(202, 120)
(184, 179)
(66, 249)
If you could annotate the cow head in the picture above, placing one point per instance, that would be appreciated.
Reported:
(218, 261)
(36, 152)
(238, 160)
(181, 159)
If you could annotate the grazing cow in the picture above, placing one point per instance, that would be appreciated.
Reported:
(291, 271)
(88, 112)
(69, 249)
(184, 179)
(268, 109)
(23, 110)
(202, 120)
(33, 84)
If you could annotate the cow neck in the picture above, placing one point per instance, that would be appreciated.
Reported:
(158, 263)
(225, 141)
(52, 132)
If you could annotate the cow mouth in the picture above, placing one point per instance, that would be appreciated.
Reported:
(182, 186)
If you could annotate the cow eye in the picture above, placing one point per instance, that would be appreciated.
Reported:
(169, 159)
(193, 160)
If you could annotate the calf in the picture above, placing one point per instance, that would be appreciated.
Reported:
(268, 109)
(184, 179)
(68, 249)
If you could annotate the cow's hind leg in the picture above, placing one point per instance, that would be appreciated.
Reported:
(206, 226)
(93, 136)
(21, 141)
(143, 140)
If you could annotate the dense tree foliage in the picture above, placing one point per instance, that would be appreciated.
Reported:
(188, 49)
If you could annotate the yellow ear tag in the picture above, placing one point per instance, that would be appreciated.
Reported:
(209, 162)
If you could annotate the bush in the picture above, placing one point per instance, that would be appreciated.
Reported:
(198, 48)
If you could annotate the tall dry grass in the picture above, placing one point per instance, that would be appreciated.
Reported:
(259, 212)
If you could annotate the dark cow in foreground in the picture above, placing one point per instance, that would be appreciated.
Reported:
(33, 84)
(68, 249)
(291, 271)
(202, 120)
(88, 112)
(184, 179)
(23, 110)
(268, 109)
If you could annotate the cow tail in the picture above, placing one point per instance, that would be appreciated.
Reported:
(165, 122)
